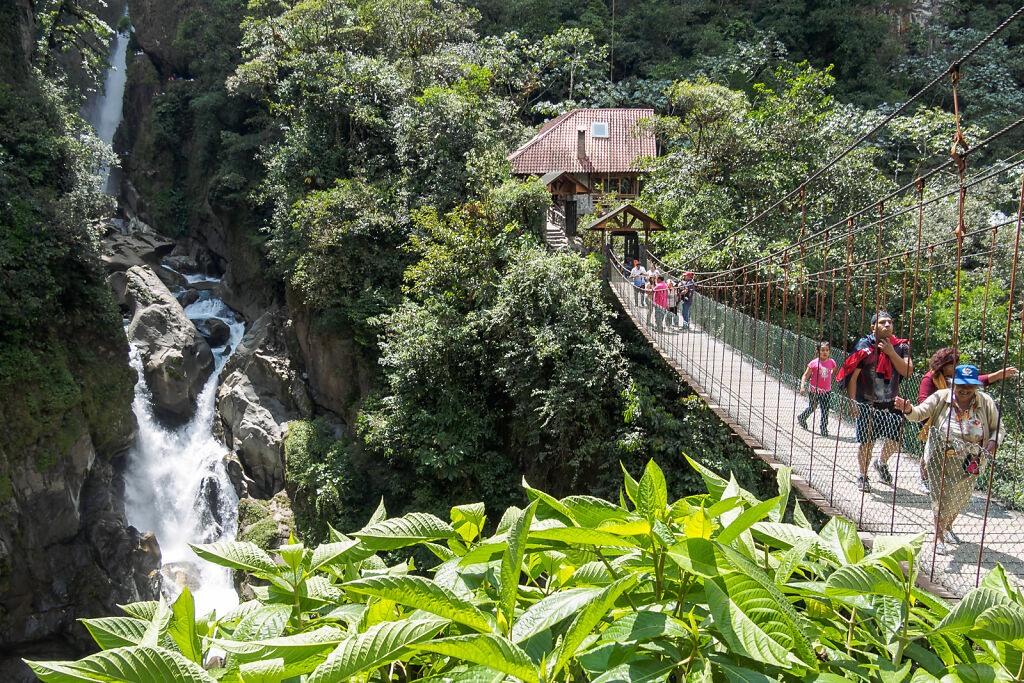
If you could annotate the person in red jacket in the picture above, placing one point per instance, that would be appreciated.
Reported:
(872, 376)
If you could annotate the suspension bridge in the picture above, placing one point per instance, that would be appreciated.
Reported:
(756, 325)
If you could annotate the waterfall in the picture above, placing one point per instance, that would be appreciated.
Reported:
(175, 481)
(103, 111)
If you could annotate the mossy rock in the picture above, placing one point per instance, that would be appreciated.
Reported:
(267, 523)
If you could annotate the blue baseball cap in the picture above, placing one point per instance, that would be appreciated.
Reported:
(966, 374)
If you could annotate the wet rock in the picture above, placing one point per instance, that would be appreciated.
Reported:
(260, 393)
(169, 277)
(188, 297)
(216, 331)
(176, 359)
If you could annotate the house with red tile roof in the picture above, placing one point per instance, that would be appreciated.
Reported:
(599, 149)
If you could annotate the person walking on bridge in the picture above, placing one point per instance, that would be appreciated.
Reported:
(660, 301)
(819, 371)
(939, 376)
(872, 376)
(639, 277)
(965, 433)
(686, 289)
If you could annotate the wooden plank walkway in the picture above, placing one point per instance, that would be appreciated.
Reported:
(762, 410)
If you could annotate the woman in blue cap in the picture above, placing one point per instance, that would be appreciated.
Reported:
(965, 432)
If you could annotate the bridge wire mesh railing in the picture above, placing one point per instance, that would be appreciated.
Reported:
(751, 366)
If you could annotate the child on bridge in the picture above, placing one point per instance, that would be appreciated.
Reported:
(819, 371)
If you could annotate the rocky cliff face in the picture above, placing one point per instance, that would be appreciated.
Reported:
(66, 551)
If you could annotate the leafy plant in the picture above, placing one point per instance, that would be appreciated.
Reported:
(707, 587)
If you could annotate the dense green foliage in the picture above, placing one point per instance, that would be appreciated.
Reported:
(58, 324)
(705, 587)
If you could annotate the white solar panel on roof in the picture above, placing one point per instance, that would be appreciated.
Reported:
(599, 129)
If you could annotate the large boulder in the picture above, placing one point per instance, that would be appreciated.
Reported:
(176, 359)
(260, 393)
(138, 248)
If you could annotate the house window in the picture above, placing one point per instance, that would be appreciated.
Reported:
(599, 129)
(626, 186)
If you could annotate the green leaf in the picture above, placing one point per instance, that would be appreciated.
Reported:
(790, 560)
(864, 580)
(468, 520)
(841, 535)
(644, 625)
(630, 484)
(697, 556)
(716, 485)
(266, 671)
(966, 612)
(745, 520)
(237, 555)
(783, 536)
(582, 537)
(158, 626)
(490, 651)
(552, 503)
(646, 670)
(318, 642)
(1001, 623)
(736, 625)
(112, 632)
(141, 610)
(769, 598)
(652, 492)
(415, 527)
(783, 475)
(590, 512)
(551, 610)
(512, 565)
(421, 593)
(334, 553)
(379, 645)
(182, 627)
(587, 621)
(266, 621)
(135, 664)
(738, 674)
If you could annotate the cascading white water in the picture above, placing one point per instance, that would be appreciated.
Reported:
(175, 482)
(104, 111)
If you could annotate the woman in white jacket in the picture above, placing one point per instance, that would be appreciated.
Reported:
(965, 432)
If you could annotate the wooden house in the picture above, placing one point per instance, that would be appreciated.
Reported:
(586, 153)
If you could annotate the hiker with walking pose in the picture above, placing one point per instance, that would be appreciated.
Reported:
(872, 375)
(819, 372)
(965, 433)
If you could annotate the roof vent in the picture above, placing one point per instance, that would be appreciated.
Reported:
(599, 129)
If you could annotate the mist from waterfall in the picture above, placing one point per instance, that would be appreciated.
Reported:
(176, 484)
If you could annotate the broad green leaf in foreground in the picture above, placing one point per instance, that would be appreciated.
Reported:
(587, 620)
(136, 664)
(237, 555)
(512, 564)
(400, 532)
(379, 645)
(489, 650)
(112, 632)
(421, 593)
(551, 610)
